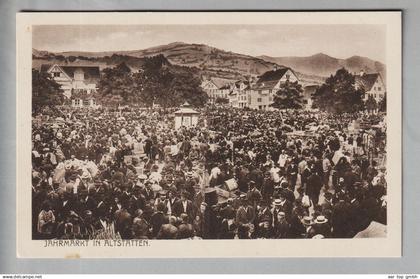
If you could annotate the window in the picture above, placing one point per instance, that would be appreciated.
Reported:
(56, 74)
(287, 76)
(259, 100)
(270, 98)
(379, 88)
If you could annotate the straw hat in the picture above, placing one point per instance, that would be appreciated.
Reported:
(321, 219)
(277, 202)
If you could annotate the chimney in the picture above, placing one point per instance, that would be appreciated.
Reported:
(362, 73)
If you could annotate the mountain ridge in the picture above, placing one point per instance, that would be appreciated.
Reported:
(323, 65)
(218, 63)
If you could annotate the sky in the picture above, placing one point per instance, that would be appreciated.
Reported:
(340, 41)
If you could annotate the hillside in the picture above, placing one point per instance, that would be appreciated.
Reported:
(134, 63)
(212, 61)
(216, 63)
(323, 65)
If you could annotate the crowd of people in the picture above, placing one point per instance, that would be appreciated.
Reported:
(238, 174)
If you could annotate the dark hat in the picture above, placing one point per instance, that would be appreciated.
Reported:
(307, 220)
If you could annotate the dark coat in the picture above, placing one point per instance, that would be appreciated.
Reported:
(178, 209)
(156, 221)
(313, 186)
(281, 229)
(123, 222)
(341, 219)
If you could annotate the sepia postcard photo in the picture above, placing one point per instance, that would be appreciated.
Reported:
(209, 134)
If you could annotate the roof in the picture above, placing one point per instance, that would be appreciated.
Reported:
(90, 72)
(269, 79)
(186, 109)
(225, 86)
(238, 83)
(366, 80)
(219, 83)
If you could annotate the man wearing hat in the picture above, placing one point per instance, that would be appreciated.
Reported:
(141, 178)
(284, 205)
(245, 214)
(288, 194)
(137, 200)
(321, 226)
(171, 199)
(281, 228)
(253, 195)
(292, 172)
(340, 219)
(209, 224)
(158, 219)
(267, 188)
(264, 215)
(313, 187)
(307, 222)
(147, 192)
(227, 211)
(85, 202)
(183, 206)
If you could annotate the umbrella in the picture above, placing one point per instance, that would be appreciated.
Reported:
(374, 229)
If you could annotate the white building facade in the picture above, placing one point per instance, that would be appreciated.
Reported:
(261, 94)
(79, 83)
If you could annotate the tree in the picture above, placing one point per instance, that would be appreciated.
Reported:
(371, 104)
(157, 82)
(168, 85)
(46, 92)
(382, 104)
(289, 96)
(116, 86)
(153, 80)
(186, 86)
(338, 94)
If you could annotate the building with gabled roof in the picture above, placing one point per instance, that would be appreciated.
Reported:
(372, 84)
(216, 88)
(238, 92)
(261, 94)
(78, 80)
